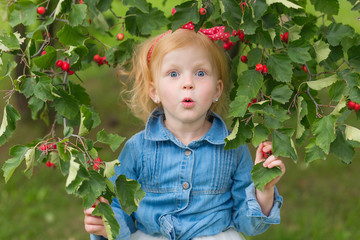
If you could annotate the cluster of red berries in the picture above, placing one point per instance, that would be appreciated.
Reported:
(100, 60)
(353, 106)
(47, 147)
(252, 101)
(284, 37)
(50, 164)
(266, 154)
(41, 10)
(228, 44)
(261, 68)
(97, 162)
(303, 67)
(64, 66)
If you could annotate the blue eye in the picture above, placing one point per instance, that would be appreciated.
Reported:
(200, 73)
(173, 74)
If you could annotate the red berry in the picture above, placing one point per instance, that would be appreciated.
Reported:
(65, 66)
(90, 20)
(41, 10)
(104, 59)
(94, 205)
(282, 37)
(252, 101)
(303, 67)
(286, 37)
(356, 107)
(241, 35)
(259, 67)
(70, 72)
(120, 36)
(173, 11)
(265, 70)
(43, 53)
(81, 2)
(59, 63)
(244, 59)
(97, 58)
(48, 164)
(227, 45)
(351, 105)
(96, 166)
(202, 11)
(97, 160)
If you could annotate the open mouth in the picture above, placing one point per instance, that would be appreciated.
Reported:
(188, 102)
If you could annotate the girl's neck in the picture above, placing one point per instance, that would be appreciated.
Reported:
(187, 133)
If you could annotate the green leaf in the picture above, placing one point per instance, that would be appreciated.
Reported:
(113, 140)
(249, 25)
(342, 104)
(354, 57)
(86, 121)
(77, 14)
(313, 152)
(279, 66)
(74, 168)
(260, 8)
(286, 3)
(9, 43)
(250, 83)
(238, 106)
(29, 160)
(8, 124)
(66, 105)
(342, 148)
(72, 36)
(324, 131)
(35, 104)
(302, 111)
(281, 93)
(185, 12)
(27, 87)
(92, 188)
(110, 168)
(24, 12)
(254, 57)
(140, 4)
(337, 31)
(18, 153)
(325, 6)
(260, 134)
(283, 144)
(261, 175)
(322, 50)
(232, 13)
(324, 82)
(299, 51)
(240, 134)
(43, 89)
(129, 194)
(112, 227)
(352, 133)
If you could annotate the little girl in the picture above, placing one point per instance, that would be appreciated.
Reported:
(194, 188)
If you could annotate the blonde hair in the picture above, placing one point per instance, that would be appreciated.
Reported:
(142, 70)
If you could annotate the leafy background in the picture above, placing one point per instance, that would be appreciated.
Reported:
(320, 201)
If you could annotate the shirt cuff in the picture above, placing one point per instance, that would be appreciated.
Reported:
(97, 237)
(254, 209)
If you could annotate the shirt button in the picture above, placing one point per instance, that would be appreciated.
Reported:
(187, 152)
(185, 185)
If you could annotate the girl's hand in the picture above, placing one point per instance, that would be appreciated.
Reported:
(95, 224)
(269, 162)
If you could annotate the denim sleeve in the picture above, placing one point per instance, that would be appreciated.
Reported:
(247, 215)
(127, 168)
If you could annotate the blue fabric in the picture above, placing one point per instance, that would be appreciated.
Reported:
(191, 191)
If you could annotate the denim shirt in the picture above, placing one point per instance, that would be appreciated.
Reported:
(191, 191)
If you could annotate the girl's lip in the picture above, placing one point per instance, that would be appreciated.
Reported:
(188, 102)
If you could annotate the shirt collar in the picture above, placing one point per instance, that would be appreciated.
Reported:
(155, 129)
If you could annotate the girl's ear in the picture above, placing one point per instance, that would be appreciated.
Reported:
(153, 93)
(219, 89)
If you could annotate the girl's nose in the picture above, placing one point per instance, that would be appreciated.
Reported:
(188, 83)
